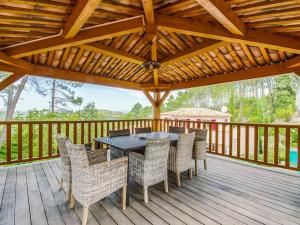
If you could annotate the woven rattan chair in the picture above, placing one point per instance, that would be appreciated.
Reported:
(180, 158)
(200, 147)
(91, 183)
(114, 152)
(152, 167)
(94, 156)
(176, 130)
(140, 130)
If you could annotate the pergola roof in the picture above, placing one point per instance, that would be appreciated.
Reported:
(197, 42)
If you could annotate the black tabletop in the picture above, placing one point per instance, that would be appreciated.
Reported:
(134, 141)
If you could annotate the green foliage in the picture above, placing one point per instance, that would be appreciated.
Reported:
(139, 112)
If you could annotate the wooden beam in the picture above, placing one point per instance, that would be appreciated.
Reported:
(251, 73)
(212, 31)
(148, 11)
(222, 12)
(10, 80)
(116, 53)
(54, 73)
(80, 14)
(294, 62)
(15, 62)
(100, 32)
(163, 98)
(190, 52)
(149, 97)
(154, 58)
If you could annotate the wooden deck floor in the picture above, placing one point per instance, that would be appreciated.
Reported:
(227, 193)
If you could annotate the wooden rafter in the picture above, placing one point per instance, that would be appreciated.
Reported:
(148, 11)
(110, 51)
(212, 31)
(222, 12)
(103, 31)
(54, 73)
(251, 73)
(15, 62)
(80, 14)
(190, 52)
(10, 80)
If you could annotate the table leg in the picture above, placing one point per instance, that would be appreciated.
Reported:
(126, 153)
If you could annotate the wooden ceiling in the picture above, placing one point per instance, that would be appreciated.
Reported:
(197, 42)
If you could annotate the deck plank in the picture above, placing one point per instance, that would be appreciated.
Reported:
(7, 211)
(227, 193)
(22, 214)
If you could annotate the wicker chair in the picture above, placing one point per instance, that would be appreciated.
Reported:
(176, 130)
(91, 183)
(152, 167)
(94, 156)
(140, 130)
(180, 158)
(200, 147)
(116, 153)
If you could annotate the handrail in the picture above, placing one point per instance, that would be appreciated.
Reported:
(268, 144)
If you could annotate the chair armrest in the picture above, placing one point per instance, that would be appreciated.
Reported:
(97, 156)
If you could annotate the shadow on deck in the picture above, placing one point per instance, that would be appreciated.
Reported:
(227, 193)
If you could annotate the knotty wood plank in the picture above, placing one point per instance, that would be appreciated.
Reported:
(51, 208)
(9, 199)
(37, 212)
(22, 215)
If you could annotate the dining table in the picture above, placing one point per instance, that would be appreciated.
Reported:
(133, 142)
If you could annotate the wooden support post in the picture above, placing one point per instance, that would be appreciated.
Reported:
(156, 111)
(156, 101)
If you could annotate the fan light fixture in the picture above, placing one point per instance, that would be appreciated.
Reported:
(150, 65)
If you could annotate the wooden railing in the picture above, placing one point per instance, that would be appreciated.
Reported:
(35, 140)
(268, 144)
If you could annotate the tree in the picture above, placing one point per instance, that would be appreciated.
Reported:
(10, 97)
(60, 92)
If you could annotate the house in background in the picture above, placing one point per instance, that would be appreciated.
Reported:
(197, 114)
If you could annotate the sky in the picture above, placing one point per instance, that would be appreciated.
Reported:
(109, 98)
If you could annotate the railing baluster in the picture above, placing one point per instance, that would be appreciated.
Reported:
(75, 133)
(20, 142)
(40, 140)
(230, 140)
(266, 140)
(247, 142)
(298, 149)
(255, 143)
(217, 138)
(287, 147)
(210, 137)
(238, 149)
(49, 139)
(30, 137)
(89, 132)
(223, 138)
(67, 129)
(8, 142)
(82, 132)
(276, 145)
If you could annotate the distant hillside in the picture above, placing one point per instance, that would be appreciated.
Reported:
(110, 115)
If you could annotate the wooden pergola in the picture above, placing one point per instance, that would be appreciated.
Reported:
(113, 42)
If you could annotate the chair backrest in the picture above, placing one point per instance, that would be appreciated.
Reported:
(78, 156)
(176, 130)
(117, 133)
(140, 130)
(62, 148)
(185, 148)
(157, 148)
(200, 134)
